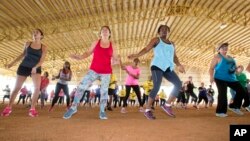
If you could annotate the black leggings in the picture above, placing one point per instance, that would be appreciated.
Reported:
(181, 98)
(136, 89)
(87, 94)
(21, 97)
(121, 100)
(115, 100)
(192, 94)
(204, 97)
(222, 95)
(132, 102)
(163, 101)
(57, 91)
(97, 96)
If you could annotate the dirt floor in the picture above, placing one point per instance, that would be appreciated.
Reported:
(189, 125)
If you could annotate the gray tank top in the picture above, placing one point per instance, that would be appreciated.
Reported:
(32, 57)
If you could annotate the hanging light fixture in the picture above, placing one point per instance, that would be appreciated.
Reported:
(223, 25)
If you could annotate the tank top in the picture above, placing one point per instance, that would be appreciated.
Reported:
(190, 87)
(129, 79)
(65, 76)
(163, 56)
(224, 70)
(101, 62)
(32, 57)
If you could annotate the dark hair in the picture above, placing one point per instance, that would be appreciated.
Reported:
(107, 28)
(240, 66)
(136, 60)
(159, 29)
(40, 32)
(46, 73)
(67, 62)
(222, 45)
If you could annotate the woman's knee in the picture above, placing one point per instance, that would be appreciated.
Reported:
(16, 90)
(36, 89)
(178, 85)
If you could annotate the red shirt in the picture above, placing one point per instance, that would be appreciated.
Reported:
(44, 82)
(101, 62)
(92, 95)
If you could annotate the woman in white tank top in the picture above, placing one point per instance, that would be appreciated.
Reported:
(64, 76)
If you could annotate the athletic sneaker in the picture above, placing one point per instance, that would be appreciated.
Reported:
(102, 115)
(141, 110)
(195, 106)
(149, 115)
(33, 113)
(168, 110)
(69, 113)
(247, 108)
(51, 109)
(6, 112)
(237, 111)
(42, 106)
(221, 115)
(110, 109)
(123, 110)
(67, 108)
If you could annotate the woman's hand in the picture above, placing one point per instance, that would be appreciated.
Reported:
(181, 69)
(73, 56)
(33, 70)
(211, 80)
(53, 77)
(132, 56)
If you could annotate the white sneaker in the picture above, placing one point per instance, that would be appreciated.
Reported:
(236, 111)
(141, 110)
(221, 115)
(123, 111)
(247, 108)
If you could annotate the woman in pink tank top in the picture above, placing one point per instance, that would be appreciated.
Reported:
(103, 51)
(133, 74)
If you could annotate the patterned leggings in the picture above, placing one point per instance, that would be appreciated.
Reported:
(87, 81)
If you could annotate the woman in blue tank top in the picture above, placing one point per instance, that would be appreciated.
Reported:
(162, 65)
(222, 71)
(34, 54)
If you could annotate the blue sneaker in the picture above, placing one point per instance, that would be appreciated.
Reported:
(69, 113)
(102, 115)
